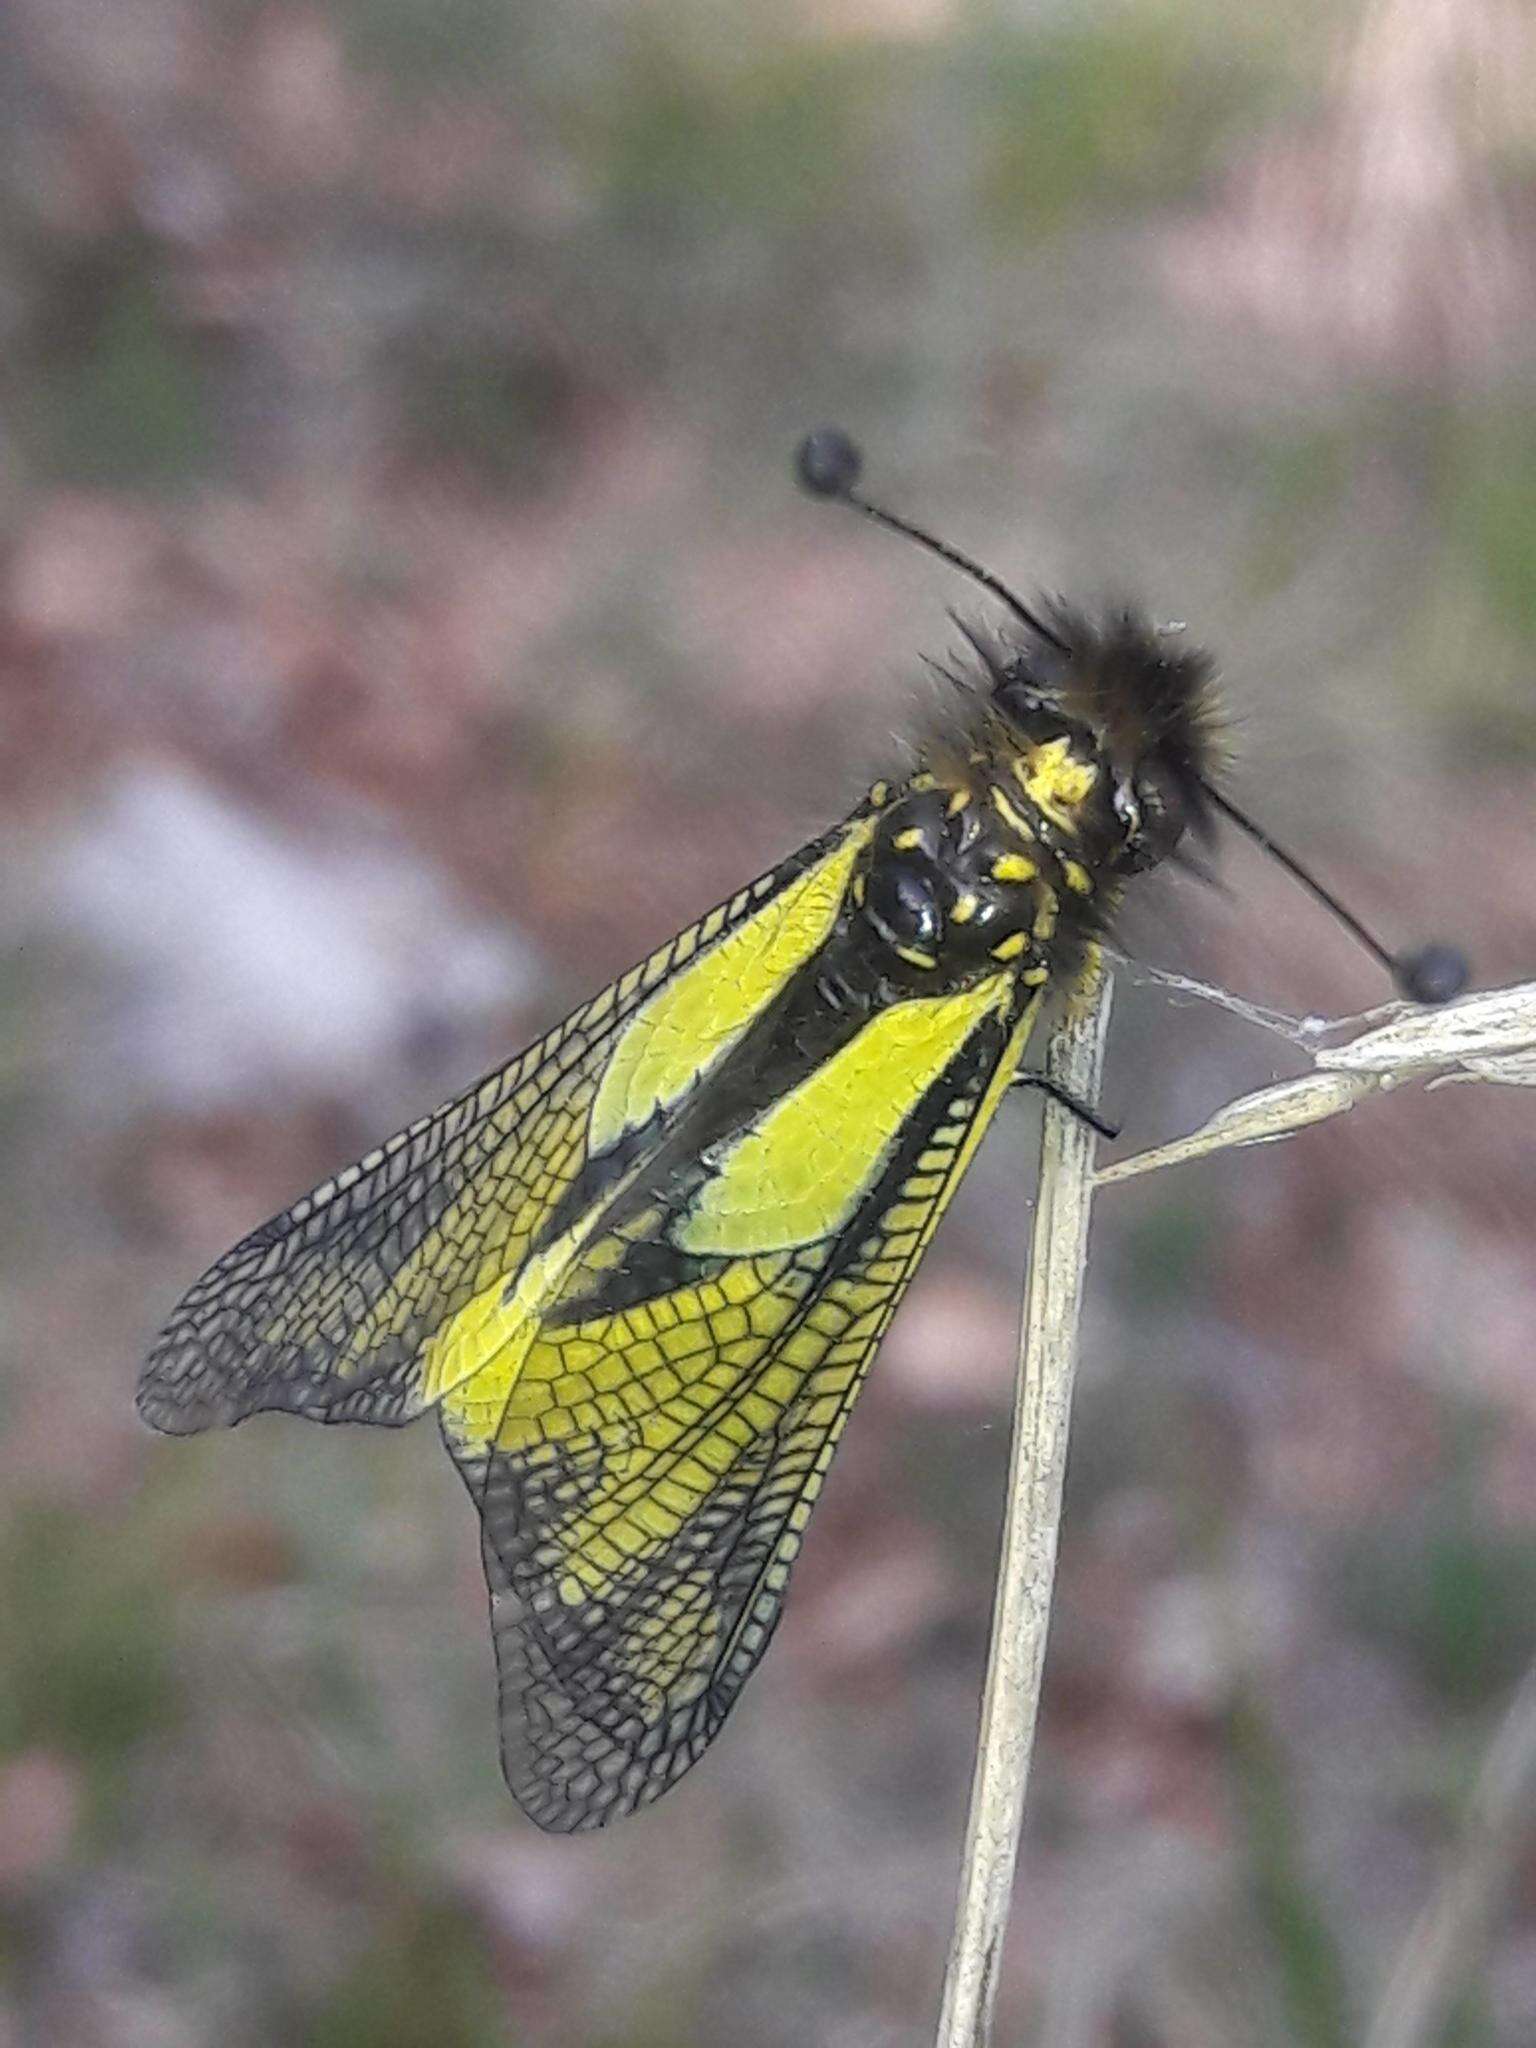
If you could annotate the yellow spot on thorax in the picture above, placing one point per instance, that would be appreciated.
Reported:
(1013, 867)
(1012, 816)
(904, 842)
(1055, 780)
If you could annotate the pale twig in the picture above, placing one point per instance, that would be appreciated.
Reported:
(1489, 1037)
(1436, 1957)
(1021, 1612)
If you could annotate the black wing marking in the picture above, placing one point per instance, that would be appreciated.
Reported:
(637, 1571)
(324, 1311)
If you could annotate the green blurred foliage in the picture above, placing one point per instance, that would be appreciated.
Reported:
(423, 1980)
(692, 139)
(88, 1669)
(1303, 1945)
(1490, 512)
(107, 387)
(1446, 1588)
(1302, 479)
(1080, 119)
(423, 49)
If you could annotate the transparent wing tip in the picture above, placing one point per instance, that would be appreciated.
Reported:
(177, 1401)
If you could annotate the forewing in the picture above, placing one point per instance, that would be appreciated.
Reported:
(331, 1309)
(645, 1476)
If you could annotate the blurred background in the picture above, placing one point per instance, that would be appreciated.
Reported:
(406, 621)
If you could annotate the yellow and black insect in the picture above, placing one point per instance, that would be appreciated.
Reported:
(640, 1272)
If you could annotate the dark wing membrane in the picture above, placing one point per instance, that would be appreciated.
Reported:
(637, 1565)
(327, 1310)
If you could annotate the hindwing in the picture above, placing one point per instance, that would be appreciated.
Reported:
(644, 1475)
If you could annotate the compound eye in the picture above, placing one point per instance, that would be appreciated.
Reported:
(1156, 816)
(901, 902)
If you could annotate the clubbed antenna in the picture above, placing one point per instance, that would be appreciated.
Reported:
(1433, 974)
(828, 464)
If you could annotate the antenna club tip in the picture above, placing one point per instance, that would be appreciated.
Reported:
(1434, 974)
(828, 463)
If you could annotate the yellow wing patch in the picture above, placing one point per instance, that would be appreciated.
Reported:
(792, 1179)
(679, 1033)
(645, 1479)
(330, 1309)
(798, 1174)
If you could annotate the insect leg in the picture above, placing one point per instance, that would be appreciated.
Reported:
(1082, 1110)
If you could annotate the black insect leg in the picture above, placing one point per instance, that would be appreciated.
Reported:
(1082, 1110)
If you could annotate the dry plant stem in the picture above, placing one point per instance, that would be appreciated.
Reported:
(1490, 1038)
(1022, 1611)
(1446, 1941)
